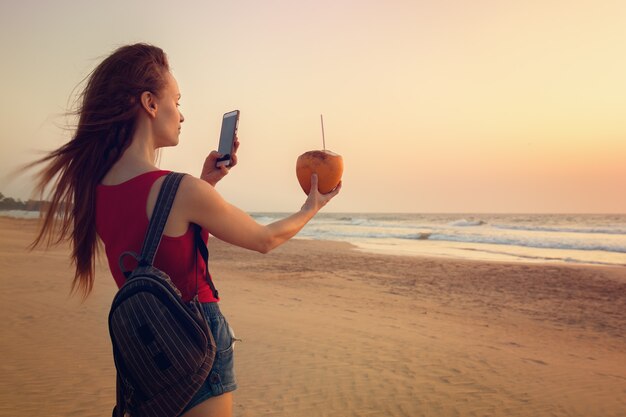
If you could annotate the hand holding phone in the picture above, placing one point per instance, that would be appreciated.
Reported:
(226, 147)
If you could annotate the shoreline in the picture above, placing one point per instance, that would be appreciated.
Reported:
(370, 248)
(503, 258)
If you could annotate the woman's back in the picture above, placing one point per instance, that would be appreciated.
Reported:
(122, 216)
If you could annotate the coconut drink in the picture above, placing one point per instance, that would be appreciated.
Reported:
(326, 164)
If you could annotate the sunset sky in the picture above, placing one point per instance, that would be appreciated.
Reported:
(436, 106)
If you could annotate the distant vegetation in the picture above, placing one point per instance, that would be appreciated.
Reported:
(9, 203)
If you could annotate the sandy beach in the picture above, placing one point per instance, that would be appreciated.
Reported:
(329, 330)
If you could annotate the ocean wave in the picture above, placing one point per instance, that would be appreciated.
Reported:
(586, 230)
(322, 233)
(543, 258)
(20, 214)
(546, 244)
(360, 221)
(467, 223)
(265, 219)
(417, 236)
(329, 233)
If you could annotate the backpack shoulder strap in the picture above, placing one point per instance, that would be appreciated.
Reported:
(204, 252)
(159, 217)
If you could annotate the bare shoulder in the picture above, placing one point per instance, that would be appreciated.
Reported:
(191, 187)
(197, 198)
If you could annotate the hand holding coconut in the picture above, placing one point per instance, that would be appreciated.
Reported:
(317, 200)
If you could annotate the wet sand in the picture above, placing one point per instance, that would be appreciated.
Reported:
(330, 330)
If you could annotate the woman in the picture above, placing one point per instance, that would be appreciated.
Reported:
(106, 183)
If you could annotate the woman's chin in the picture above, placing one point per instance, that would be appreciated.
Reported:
(169, 143)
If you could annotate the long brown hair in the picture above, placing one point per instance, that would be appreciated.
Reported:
(107, 113)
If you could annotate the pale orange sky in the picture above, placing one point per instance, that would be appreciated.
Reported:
(450, 106)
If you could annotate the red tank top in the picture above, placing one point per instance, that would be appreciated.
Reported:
(121, 223)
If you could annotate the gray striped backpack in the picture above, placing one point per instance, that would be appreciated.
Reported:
(162, 347)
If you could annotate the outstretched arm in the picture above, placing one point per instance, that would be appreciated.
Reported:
(203, 205)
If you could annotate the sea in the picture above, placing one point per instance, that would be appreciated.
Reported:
(598, 239)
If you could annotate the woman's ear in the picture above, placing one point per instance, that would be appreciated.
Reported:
(148, 102)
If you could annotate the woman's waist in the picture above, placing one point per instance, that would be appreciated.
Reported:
(211, 309)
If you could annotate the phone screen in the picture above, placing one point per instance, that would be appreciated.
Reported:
(227, 137)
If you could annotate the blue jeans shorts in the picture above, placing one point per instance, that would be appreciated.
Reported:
(221, 379)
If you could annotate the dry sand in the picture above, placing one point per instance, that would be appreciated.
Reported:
(331, 331)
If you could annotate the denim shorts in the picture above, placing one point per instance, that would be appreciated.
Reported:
(221, 379)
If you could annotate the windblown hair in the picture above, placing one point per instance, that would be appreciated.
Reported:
(107, 112)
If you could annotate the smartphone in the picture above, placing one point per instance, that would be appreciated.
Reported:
(227, 137)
